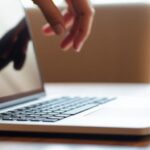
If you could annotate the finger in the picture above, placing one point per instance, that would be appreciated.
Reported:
(71, 36)
(83, 32)
(52, 15)
(85, 13)
(68, 19)
(70, 6)
(47, 30)
(68, 46)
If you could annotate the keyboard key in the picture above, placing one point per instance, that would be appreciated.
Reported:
(49, 120)
(80, 109)
(22, 119)
(35, 119)
(7, 118)
(62, 115)
(54, 117)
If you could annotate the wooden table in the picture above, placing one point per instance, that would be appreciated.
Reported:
(53, 142)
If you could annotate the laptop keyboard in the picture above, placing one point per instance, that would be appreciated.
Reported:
(54, 110)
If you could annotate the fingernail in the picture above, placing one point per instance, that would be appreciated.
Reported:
(65, 49)
(49, 34)
(78, 48)
(59, 29)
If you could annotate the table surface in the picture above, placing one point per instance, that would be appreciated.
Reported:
(52, 142)
(63, 143)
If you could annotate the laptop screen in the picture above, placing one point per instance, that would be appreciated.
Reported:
(19, 73)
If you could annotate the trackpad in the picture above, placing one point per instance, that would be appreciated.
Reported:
(122, 116)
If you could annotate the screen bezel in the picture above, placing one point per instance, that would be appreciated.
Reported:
(25, 96)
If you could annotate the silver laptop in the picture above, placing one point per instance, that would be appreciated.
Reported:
(25, 107)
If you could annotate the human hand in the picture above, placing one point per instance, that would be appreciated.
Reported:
(13, 46)
(77, 19)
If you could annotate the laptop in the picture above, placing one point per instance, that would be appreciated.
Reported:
(26, 107)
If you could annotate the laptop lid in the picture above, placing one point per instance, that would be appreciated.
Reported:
(20, 79)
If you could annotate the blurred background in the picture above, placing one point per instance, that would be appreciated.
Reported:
(118, 49)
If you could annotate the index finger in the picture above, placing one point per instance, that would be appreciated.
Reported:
(52, 15)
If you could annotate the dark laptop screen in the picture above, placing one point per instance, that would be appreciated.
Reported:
(19, 74)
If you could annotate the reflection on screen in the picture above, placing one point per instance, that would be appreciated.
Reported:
(18, 67)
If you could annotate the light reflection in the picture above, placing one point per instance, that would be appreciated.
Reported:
(46, 146)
